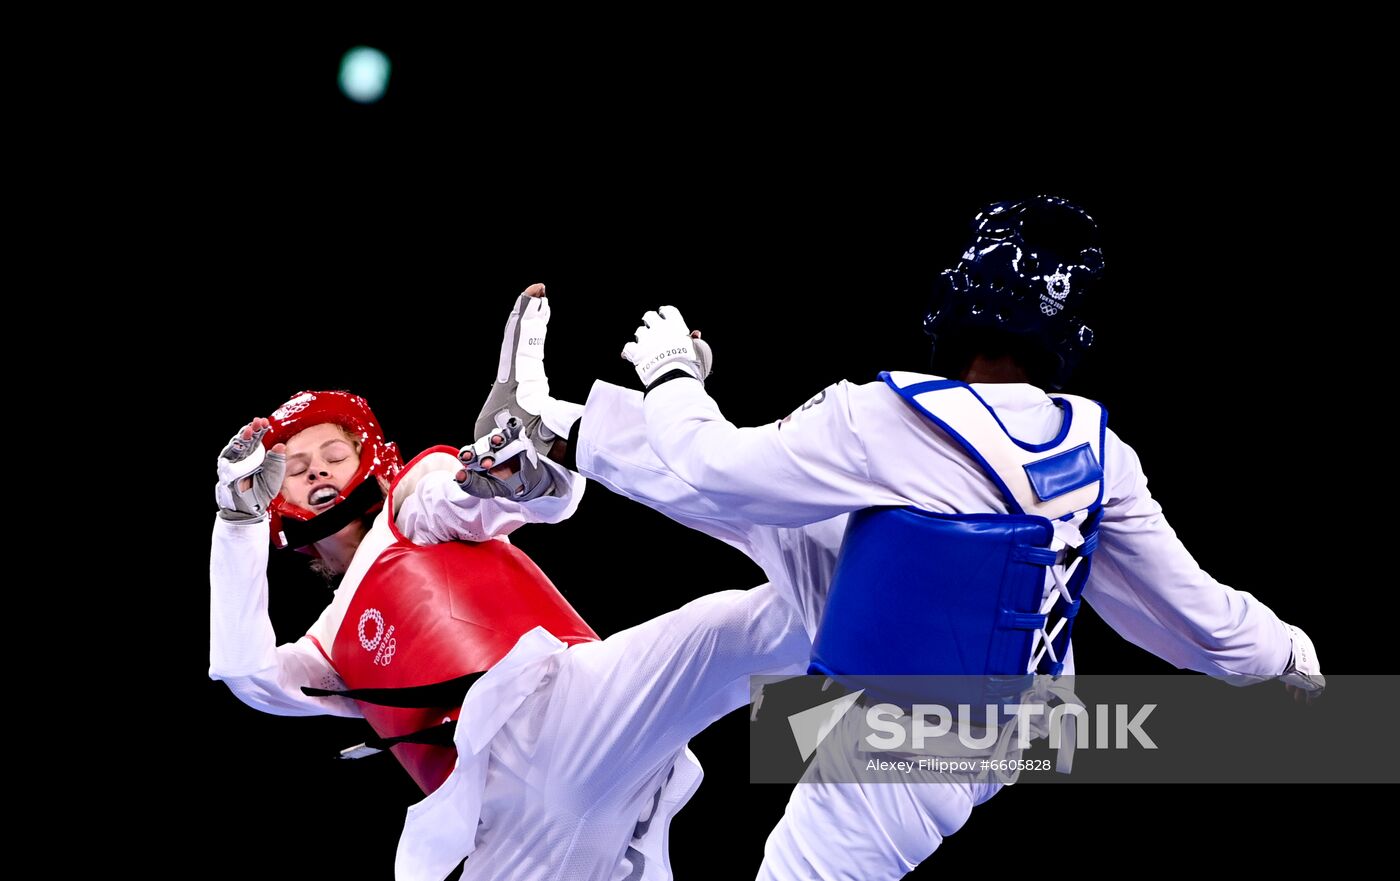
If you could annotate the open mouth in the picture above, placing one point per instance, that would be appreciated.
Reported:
(322, 495)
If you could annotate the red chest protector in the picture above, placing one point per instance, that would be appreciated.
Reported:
(427, 614)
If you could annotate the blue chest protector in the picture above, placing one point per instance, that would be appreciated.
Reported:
(973, 594)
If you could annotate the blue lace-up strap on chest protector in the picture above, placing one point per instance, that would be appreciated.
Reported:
(972, 594)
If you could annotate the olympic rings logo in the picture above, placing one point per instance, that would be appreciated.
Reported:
(386, 654)
(1056, 289)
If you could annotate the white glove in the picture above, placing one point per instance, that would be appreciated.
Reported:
(664, 343)
(249, 476)
(1303, 671)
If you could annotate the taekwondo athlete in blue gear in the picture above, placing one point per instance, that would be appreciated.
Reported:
(978, 591)
(1006, 322)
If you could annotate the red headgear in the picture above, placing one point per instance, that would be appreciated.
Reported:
(377, 456)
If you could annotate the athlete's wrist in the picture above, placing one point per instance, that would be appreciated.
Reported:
(668, 376)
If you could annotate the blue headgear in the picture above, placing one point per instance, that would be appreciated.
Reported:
(1028, 273)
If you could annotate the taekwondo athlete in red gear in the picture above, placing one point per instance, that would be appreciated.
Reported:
(937, 450)
(570, 752)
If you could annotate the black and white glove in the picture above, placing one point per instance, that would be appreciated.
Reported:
(520, 417)
(521, 389)
(249, 476)
(664, 345)
(504, 463)
(1303, 675)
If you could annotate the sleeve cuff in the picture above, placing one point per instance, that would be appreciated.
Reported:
(670, 375)
(247, 531)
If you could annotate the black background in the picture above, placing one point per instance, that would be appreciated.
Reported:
(799, 222)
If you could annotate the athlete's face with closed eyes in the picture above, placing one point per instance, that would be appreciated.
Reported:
(321, 460)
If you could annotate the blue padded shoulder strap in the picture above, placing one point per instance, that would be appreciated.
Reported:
(1055, 479)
